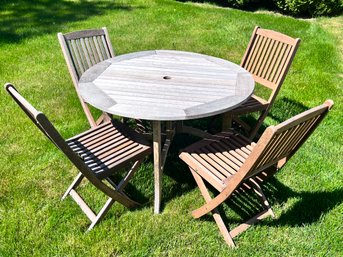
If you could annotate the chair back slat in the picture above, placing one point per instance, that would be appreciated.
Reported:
(83, 49)
(283, 140)
(86, 52)
(268, 57)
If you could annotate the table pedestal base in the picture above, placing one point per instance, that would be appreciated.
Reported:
(160, 152)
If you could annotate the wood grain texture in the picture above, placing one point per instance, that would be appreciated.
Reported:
(157, 147)
(165, 85)
(81, 50)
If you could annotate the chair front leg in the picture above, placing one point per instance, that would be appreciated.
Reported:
(216, 215)
(73, 185)
(120, 187)
(260, 120)
(258, 190)
(101, 213)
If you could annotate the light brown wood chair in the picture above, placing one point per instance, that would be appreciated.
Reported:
(83, 49)
(268, 57)
(231, 163)
(97, 153)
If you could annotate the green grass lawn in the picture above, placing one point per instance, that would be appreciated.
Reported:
(306, 195)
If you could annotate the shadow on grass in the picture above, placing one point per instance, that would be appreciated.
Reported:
(309, 207)
(285, 108)
(23, 19)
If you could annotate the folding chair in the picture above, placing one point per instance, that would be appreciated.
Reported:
(83, 49)
(268, 57)
(231, 162)
(98, 153)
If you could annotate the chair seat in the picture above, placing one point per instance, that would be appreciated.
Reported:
(220, 157)
(254, 103)
(107, 146)
(97, 154)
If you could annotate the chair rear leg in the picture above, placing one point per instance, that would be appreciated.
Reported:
(258, 190)
(104, 117)
(119, 188)
(101, 213)
(216, 215)
(129, 175)
(260, 120)
(93, 217)
(226, 121)
(73, 185)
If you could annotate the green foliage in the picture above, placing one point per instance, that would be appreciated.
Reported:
(240, 3)
(310, 8)
(247, 4)
(296, 8)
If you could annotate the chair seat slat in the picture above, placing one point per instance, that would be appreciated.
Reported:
(113, 142)
(229, 160)
(218, 164)
(99, 138)
(201, 158)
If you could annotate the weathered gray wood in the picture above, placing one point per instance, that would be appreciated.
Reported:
(268, 58)
(84, 33)
(165, 85)
(82, 50)
(157, 165)
(97, 153)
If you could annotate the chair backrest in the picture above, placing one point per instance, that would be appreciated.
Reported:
(43, 123)
(282, 141)
(83, 49)
(268, 57)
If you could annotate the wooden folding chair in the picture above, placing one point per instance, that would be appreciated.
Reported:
(98, 153)
(230, 162)
(268, 57)
(83, 49)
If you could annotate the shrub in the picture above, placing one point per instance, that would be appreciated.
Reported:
(248, 4)
(239, 3)
(310, 8)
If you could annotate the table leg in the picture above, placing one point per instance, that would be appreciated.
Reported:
(226, 121)
(156, 128)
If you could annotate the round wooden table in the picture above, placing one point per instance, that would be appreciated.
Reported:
(165, 85)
